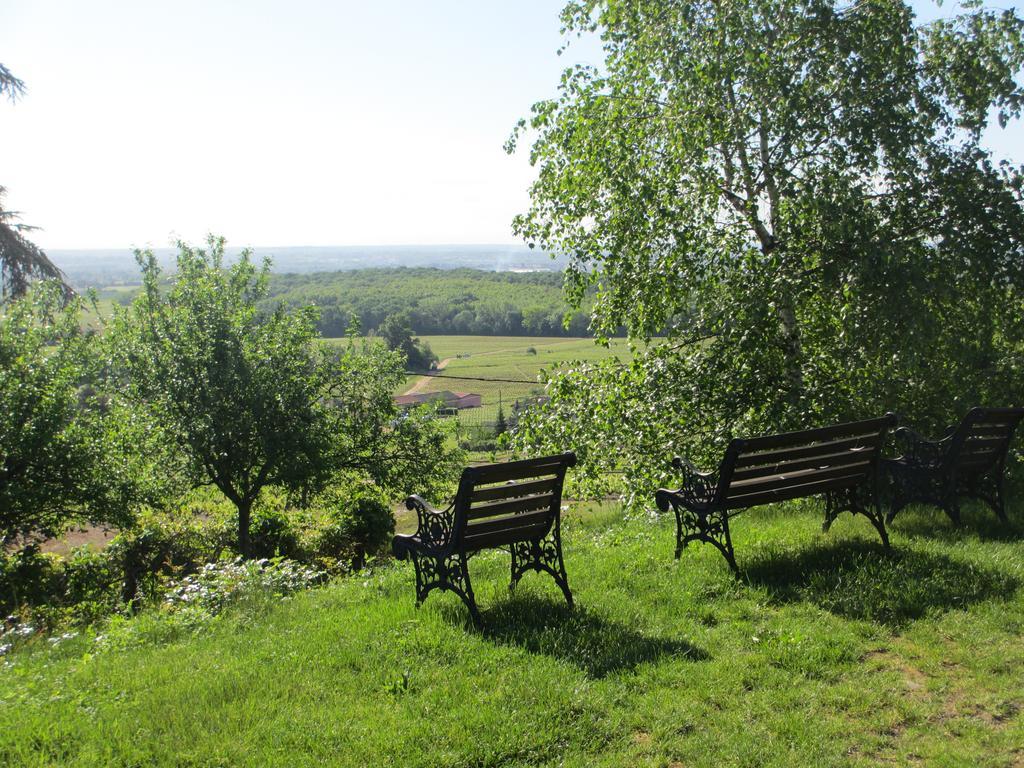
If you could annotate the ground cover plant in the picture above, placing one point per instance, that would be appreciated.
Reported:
(825, 651)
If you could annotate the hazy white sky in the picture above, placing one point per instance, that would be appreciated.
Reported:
(274, 123)
(306, 122)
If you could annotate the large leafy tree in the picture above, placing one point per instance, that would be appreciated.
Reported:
(252, 400)
(21, 261)
(794, 193)
(64, 454)
(238, 393)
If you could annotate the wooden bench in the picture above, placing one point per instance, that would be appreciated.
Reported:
(969, 461)
(839, 462)
(516, 505)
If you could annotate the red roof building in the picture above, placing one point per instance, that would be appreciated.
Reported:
(459, 400)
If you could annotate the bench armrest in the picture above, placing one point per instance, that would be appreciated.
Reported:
(920, 450)
(697, 488)
(433, 526)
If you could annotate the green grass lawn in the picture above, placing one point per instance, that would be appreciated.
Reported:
(826, 651)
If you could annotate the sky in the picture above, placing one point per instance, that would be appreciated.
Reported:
(306, 122)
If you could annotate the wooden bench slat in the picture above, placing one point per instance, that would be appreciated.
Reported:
(867, 428)
(500, 538)
(792, 492)
(1001, 430)
(866, 443)
(973, 449)
(500, 473)
(974, 463)
(978, 444)
(541, 501)
(841, 458)
(508, 522)
(857, 471)
(511, 491)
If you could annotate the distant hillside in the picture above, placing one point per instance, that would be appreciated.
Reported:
(438, 301)
(104, 267)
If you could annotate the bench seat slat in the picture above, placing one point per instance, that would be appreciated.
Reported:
(974, 463)
(993, 430)
(508, 522)
(795, 465)
(512, 491)
(863, 443)
(987, 441)
(783, 479)
(528, 504)
(500, 538)
(793, 492)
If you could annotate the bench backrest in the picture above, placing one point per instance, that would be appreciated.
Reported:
(500, 504)
(982, 439)
(793, 465)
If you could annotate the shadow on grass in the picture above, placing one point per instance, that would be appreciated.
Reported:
(927, 522)
(598, 646)
(859, 580)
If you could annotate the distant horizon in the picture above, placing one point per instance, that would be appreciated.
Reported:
(231, 247)
(93, 267)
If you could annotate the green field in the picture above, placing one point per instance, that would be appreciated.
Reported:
(504, 357)
(826, 651)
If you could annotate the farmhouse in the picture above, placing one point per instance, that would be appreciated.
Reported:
(457, 400)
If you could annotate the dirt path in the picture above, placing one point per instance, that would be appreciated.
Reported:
(422, 381)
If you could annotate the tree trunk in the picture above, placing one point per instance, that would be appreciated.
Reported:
(244, 513)
(792, 351)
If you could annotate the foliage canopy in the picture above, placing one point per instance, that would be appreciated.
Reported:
(62, 444)
(797, 191)
(240, 394)
(251, 399)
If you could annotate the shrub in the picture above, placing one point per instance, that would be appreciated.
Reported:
(91, 584)
(217, 585)
(273, 535)
(27, 578)
(358, 523)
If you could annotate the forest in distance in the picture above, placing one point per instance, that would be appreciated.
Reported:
(435, 301)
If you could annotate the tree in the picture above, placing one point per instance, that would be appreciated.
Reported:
(796, 192)
(500, 426)
(61, 448)
(21, 261)
(396, 330)
(400, 452)
(253, 400)
(241, 394)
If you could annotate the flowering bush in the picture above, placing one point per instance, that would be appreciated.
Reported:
(217, 585)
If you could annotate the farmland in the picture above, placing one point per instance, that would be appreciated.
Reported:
(504, 357)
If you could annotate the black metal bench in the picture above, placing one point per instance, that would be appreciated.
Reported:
(840, 462)
(967, 462)
(516, 505)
